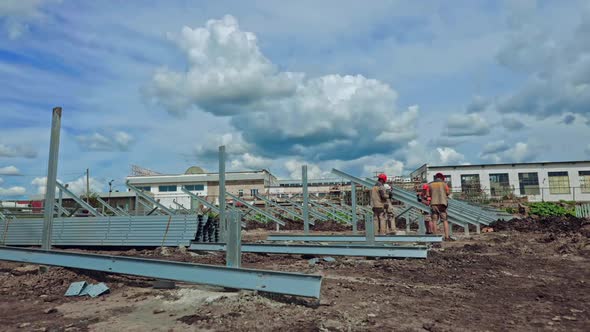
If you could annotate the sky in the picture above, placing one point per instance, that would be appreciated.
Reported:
(379, 86)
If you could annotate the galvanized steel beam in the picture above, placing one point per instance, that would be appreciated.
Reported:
(148, 198)
(282, 208)
(330, 250)
(110, 208)
(257, 210)
(51, 177)
(222, 212)
(334, 215)
(260, 280)
(312, 212)
(305, 199)
(77, 199)
(355, 238)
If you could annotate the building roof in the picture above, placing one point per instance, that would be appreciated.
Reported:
(512, 164)
(196, 178)
(327, 181)
(114, 194)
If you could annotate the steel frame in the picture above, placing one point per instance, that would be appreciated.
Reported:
(330, 250)
(355, 238)
(261, 280)
(256, 209)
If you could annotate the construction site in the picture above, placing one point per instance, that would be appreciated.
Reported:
(285, 261)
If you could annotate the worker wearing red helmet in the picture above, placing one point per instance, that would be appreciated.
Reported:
(423, 197)
(438, 192)
(379, 204)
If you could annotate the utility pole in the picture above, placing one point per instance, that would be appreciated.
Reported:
(88, 185)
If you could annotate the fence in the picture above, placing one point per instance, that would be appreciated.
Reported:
(529, 193)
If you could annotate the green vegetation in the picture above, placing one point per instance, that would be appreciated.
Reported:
(549, 209)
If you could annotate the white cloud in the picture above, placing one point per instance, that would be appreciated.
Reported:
(12, 191)
(448, 156)
(512, 123)
(500, 152)
(467, 125)
(117, 141)
(16, 151)
(281, 113)
(18, 13)
(313, 171)
(495, 147)
(9, 170)
(249, 161)
(77, 186)
(391, 168)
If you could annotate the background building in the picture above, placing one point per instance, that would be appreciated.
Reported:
(167, 188)
(543, 181)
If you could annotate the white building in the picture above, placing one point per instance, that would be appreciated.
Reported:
(168, 188)
(542, 181)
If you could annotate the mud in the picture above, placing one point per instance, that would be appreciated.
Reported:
(528, 277)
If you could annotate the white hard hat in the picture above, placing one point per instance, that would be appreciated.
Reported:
(387, 187)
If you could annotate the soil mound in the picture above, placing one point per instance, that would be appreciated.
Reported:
(558, 225)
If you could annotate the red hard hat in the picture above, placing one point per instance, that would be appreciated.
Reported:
(382, 177)
(439, 176)
(425, 187)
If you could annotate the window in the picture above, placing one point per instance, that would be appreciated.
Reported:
(559, 183)
(528, 183)
(241, 193)
(447, 180)
(584, 181)
(499, 184)
(167, 188)
(253, 192)
(470, 183)
(194, 187)
(145, 188)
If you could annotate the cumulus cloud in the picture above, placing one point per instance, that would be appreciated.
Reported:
(234, 146)
(449, 156)
(251, 162)
(512, 123)
(313, 171)
(77, 186)
(280, 113)
(12, 191)
(9, 170)
(117, 141)
(17, 14)
(517, 153)
(568, 119)
(17, 151)
(558, 69)
(467, 125)
(495, 147)
(390, 168)
(477, 105)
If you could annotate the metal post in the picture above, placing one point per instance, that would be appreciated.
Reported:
(353, 204)
(51, 178)
(369, 229)
(305, 200)
(466, 229)
(233, 254)
(136, 204)
(222, 219)
(421, 226)
(61, 197)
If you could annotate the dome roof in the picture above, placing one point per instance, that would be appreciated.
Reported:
(195, 170)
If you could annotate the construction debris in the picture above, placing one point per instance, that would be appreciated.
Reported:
(81, 288)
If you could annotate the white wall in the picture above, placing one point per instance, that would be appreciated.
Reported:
(166, 198)
(542, 171)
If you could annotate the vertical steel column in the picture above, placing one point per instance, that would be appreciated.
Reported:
(51, 178)
(305, 200)
(233, 252)
(353, 204)
(61, 197)
(466, 229)
(421, 226)
(369, 229)
(222, 219)
(136, 204)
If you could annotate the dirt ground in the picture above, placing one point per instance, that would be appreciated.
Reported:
(528, 275)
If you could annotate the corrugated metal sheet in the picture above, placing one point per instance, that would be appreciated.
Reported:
(103, 231)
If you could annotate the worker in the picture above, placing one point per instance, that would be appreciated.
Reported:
(423, 198)
(389, 216)
(379, 203)
(438, 192)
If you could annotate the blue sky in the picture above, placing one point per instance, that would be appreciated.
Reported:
(378, 86)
